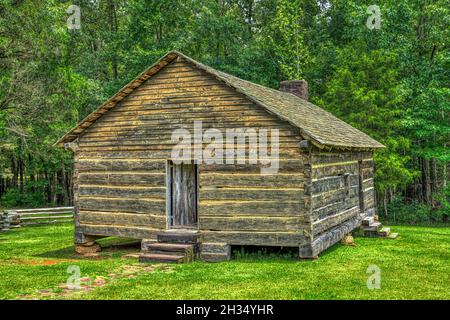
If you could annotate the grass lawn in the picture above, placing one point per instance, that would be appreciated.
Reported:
(34, 262)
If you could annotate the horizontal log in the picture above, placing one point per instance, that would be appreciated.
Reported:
(163, 134)
(189, 109)
(367, 173)
(251, 223)
(192, 101)
(138, 205)
(172, 83)
(148, 91)
(131, 191)
(119, 231)
(207, 95)
(368, 184)
(367, 164)
(369, 204)
(334, 208)
(167, 119)
(329, 222)
(151, 153)
(142, 129)
(334, 170)
(341, 156)
(187, 114)
(153, 144)
(123, 178)
(125, 155)
(288, 239)
(369, 193)
(327, 239)
(252, 180)
(172, 123)
(112, 165)
(277, 194)
(159, 165)
(120, 218)
(231, 207)
(324, 198)
(285, 166)
(331, 183)
(170, 126)
(215, 248)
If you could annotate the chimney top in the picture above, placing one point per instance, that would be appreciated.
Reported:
(296, 87)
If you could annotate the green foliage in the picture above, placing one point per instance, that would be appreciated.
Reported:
(288, 38)
(30, 198)
(416, 213)
(365, 91)
(443, 198)
(391, 83)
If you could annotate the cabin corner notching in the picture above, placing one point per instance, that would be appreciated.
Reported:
(127, 183)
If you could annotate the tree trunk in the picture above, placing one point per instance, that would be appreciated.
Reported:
(21, 172)
(65, 197)
(444, 175)
(112, 15)
(48, 187)
(15, 176)
(385, 203)
(55, 188)
(2, 186)
(426, 181)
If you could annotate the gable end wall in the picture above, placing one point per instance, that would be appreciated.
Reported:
(121, 166)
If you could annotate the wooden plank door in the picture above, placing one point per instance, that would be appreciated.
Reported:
(183, 195)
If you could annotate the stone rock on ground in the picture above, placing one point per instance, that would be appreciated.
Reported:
(83, 249)
(348, 240)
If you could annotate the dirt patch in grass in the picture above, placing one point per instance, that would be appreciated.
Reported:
(35, 262)
(89, 283)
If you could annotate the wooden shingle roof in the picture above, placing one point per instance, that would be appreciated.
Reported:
(315, 124)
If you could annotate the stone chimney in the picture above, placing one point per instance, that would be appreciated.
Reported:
(297, 87)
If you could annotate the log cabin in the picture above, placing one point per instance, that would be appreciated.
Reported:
(128, 184)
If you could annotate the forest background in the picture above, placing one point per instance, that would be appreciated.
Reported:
(381, 65)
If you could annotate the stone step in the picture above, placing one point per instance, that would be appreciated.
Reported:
(384, 232)
(161, 258)
(173, 249)
(367, 221)
(392, 235)
(178, 237)
(170, 247)
(376, 226)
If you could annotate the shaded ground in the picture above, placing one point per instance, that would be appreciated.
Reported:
(34, 262)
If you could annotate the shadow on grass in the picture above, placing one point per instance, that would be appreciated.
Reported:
(64, 253)
(330, 250)
(275, 254)
(108, 249)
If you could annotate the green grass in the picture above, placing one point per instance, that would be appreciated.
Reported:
(414, 266)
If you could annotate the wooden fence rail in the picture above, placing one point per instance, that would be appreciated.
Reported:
(24, 217)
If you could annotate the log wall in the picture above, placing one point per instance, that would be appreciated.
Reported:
(341, 193)
(121, 166)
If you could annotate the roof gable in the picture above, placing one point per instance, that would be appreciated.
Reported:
(316, 124)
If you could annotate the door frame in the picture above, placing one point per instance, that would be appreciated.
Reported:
(169, 193)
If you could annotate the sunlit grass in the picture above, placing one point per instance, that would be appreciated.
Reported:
(414, 266)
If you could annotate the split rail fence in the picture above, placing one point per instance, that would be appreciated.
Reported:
(24, 217)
